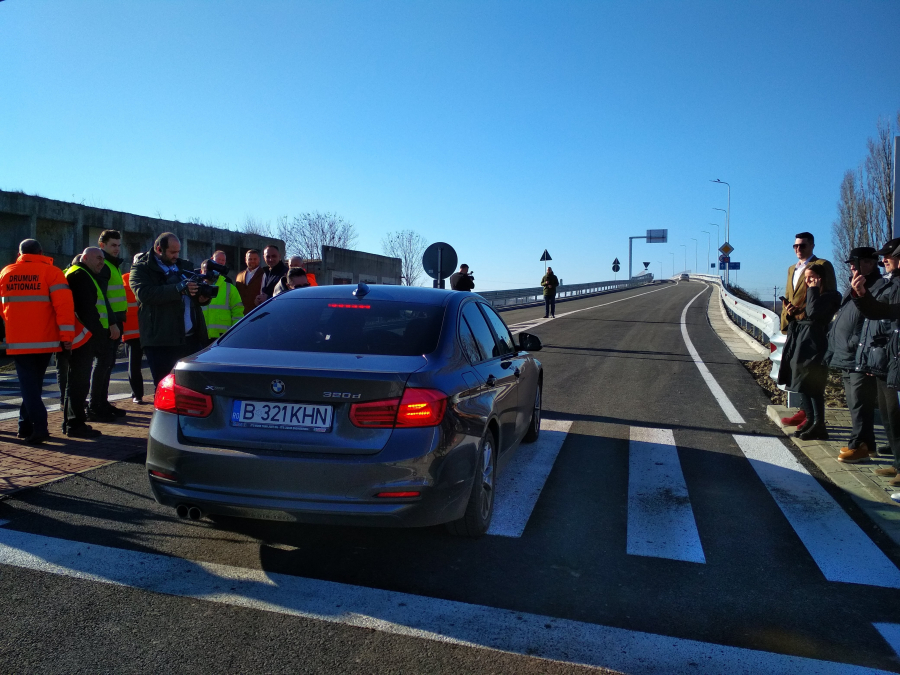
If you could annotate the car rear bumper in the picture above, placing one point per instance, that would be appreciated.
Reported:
(330, 489)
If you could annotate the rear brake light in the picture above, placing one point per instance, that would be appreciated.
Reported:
(345, 306)
(178, 400)
(772, 347)
(162, 475)
(395, 495)
(417, 408)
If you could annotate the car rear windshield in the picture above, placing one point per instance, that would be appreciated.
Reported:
(340, 327)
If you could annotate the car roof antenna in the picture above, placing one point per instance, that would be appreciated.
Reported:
(361, 290)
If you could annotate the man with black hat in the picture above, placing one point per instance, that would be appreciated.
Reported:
(872, 352)
(860, 389)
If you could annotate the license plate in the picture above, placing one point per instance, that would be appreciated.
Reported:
(274, 415)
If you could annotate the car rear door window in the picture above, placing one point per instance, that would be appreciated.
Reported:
(504, 337)
(481, 332)
(468, 343)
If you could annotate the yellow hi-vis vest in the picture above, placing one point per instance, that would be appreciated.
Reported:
(101, 299)
(225, 310)
(115, 291)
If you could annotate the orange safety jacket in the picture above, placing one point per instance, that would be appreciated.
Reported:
(311, 278)
(37, 306)
(130, 329)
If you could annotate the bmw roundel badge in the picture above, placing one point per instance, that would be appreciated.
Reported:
(277, 387)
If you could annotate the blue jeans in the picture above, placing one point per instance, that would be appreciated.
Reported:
(30, 369)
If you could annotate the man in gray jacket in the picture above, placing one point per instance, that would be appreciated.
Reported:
(860, 389)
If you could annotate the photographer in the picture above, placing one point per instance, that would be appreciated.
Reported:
(462, 280)
(170, 315)
(226, 308)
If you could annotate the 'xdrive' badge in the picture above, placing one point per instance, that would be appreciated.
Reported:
(277, 387)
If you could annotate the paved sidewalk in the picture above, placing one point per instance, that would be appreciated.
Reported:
(744, 347)
(22, 466)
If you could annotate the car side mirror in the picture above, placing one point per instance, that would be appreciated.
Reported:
(529, 342)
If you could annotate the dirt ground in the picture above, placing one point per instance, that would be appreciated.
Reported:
(834, 390)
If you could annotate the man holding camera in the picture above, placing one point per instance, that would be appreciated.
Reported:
(462, 280)
(226, 308)
(170, 314)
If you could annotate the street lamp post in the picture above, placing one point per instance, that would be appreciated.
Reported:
(708, 241)
(727, 219)
(696, 265)
(684, 246)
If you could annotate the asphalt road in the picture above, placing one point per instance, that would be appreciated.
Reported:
(619, 370)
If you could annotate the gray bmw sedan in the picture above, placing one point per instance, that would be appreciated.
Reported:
(381, 405)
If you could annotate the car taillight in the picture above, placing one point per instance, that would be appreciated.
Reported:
(417, 408)
(178, 400)
(421, 408)
(772, 347)
(375, 414)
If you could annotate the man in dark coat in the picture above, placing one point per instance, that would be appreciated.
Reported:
(872, 353)
(550, 283)
(170, 315)
(462, 280)
(860, 389)
(274, 272)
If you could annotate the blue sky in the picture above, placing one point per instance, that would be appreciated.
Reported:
(503, 128)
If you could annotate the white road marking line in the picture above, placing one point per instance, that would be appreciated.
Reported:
(55, 406)
(718, 393)
(538, 322)
(520, 485)
(839, 547)
(891, 633)
(402, 614)
(660, 518)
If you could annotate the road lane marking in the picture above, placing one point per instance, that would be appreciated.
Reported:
(519, 327)
(520, 485)
(718, 393)
(839, 547)
(660, 518)
(891, 634)
(401, 614)
(55, 406)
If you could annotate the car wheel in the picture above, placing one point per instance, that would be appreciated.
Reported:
(534, 427)
(477, 518)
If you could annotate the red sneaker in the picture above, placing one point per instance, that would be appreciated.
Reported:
(795, 421)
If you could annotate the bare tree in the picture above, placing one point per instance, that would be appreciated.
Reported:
(256, 226)
(865, 205)
(306, 234)
(409, 247)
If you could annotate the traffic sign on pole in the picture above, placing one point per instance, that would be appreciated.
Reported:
(546, 256)
(726, 248)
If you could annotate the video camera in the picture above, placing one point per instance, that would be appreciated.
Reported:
(204, 288)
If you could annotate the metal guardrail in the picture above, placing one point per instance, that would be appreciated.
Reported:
(525, 296)
(761, 323)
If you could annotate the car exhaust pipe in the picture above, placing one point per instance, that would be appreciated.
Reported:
(181, 511)
(194, 513)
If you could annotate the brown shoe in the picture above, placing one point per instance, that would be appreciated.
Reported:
(858, 454)
(859, 449)
(886, 471)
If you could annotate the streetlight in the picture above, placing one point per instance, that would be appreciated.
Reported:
(696, 266)
(708, 240)
(717, 236)
(727, 218)
(684, 246)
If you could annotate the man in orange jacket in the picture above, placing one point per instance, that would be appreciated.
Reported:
(40, 320)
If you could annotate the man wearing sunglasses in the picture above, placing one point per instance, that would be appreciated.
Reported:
(795, 287)
(794, 302)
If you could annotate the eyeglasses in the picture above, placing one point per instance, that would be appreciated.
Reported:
(803, 245)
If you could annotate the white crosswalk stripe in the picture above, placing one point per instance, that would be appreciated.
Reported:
(840, 548)
(660, 518)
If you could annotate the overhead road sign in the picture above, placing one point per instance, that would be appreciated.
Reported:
(657, 236)
(726, 248)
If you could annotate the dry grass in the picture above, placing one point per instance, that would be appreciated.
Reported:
(834, 390)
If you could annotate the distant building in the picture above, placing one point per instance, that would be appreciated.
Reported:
(66, 229)
(343, 266)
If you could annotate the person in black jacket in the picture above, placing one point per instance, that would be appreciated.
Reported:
(876, 339)
(802, 365)
(274, 272)
(860, 389)
(73, 368)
